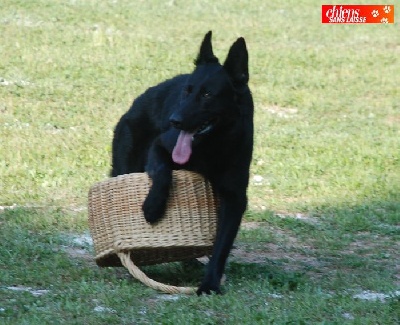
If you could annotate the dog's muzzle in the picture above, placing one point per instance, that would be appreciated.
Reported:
(176, 121)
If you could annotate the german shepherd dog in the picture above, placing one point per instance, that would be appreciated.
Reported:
(201, 122)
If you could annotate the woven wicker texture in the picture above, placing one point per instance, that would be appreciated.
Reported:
(118, 227)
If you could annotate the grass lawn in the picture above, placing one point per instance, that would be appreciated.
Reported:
(320, 242)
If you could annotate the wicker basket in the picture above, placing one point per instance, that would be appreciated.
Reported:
(121, 235)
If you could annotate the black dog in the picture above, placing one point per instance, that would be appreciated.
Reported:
(202, 122)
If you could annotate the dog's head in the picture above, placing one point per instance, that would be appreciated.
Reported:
(210, 95)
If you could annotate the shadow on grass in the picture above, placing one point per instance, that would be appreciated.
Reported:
(343, 237)
(277, 277)
(191, 273)
(332, 248)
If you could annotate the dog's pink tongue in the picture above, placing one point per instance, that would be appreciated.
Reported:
(183, 148)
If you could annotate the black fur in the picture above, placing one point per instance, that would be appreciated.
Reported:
(202, 122)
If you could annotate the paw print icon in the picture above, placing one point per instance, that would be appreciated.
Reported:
(375, 13)
(384, 21)
(386, 9)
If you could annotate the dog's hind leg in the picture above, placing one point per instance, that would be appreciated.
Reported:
(160, 170)
(129, 148)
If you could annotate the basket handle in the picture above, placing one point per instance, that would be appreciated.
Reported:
(126, 260)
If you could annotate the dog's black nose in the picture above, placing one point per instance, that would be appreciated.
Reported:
(175, 121)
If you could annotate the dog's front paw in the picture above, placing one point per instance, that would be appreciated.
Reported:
(153, 212)
(208, 288)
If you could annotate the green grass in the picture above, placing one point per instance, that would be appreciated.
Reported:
(327, 142)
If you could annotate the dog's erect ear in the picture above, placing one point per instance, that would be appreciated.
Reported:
(206, 54)
(236, 64)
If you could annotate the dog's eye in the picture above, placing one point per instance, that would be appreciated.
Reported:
(206, 94)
